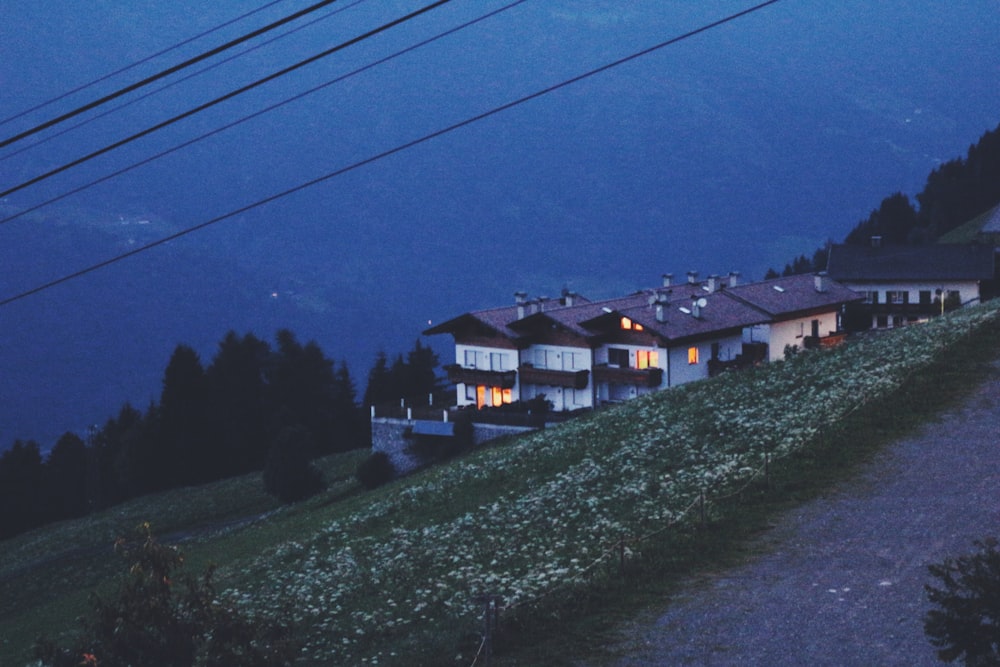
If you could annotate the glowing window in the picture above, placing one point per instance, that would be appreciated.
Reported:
(627, 323)
(692, 355)
(647, 359)
(499, 396)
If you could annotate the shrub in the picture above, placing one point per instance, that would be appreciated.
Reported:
(375, 470)
(157, 619)
(289, 473)
(967, 618)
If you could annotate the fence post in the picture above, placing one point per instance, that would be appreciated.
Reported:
(767, 469)
(621, 555)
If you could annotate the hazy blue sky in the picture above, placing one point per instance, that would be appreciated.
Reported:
(733, 150)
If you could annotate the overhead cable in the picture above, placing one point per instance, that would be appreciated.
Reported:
(142, 61)
(398, 149)
(170, 84)
(261, 112)
(167, 72)
(239, 91)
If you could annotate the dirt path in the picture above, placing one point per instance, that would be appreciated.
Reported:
(841, 579)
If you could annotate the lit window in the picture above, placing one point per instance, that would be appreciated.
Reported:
(647, 359)
(628, 324)
(500, 396)
(692, 355)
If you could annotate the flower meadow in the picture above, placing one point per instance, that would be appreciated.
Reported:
(398, 580)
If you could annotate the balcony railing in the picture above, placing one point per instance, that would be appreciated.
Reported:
(458, 374)
(640, 377)
(554, 378)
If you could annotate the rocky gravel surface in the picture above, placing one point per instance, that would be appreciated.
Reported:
(840, 581)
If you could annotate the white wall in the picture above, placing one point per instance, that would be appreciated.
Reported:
(559, 358)
(793, 332)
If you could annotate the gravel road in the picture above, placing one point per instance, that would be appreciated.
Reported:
(840, 581)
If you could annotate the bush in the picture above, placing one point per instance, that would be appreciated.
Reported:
(375, 470)
(289, 473)
(159, 620)
(967, 618)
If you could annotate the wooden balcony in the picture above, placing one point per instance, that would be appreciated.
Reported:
(554, 378)
(473, 376)
(644, 377)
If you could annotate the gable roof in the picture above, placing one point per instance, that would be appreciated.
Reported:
(499, 319)
(911, 263)
(791, 295)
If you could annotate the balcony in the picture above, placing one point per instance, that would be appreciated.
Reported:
(644, 377)
(459, 374)
(554, 378)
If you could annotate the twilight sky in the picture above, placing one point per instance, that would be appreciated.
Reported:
(735, 149)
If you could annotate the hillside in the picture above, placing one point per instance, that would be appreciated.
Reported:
(545, 522)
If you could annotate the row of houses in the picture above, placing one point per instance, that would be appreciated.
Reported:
(579, 354)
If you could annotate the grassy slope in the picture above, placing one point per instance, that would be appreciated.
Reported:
(536, 520)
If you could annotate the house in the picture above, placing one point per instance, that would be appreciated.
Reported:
(579, 354)
(906, 284)
(804, 311)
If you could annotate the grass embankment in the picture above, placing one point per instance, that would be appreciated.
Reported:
(572, 528)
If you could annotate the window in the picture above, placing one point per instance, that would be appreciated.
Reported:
(492, 396)
(499, 396)
(692, 355)
(628, 324)
(570, 361)
(470, 359)
(871, 296)
(925, 297)
(896, 297)
(496, 361)
(618, 357)
(647, 359)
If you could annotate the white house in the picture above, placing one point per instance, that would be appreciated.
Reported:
(579, 354)
(906, 284)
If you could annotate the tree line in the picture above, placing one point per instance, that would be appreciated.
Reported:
(255, 406)
(955, 192)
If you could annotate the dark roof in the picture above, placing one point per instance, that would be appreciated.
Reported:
(725, 310)
(499, 319)
(905, 263)
(795, 294)
(992, 224)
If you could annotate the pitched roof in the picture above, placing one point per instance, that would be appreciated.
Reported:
(787, 296)
(906, 263)
(500, 319)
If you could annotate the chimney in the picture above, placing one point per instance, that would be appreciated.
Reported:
(734, 278)
(713, 283)
(520, 298)
(695, 308)
(668, 278)
(876, 241)
(568, 298)
(692, 277)
(661, 312)
(820, 281)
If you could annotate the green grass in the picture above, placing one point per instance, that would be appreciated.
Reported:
(397, 570)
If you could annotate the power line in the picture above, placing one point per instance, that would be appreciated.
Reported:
(392, 151)
(121, 70)
(167, 72)
(209, 68)
(263, 111)
(223, 98)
